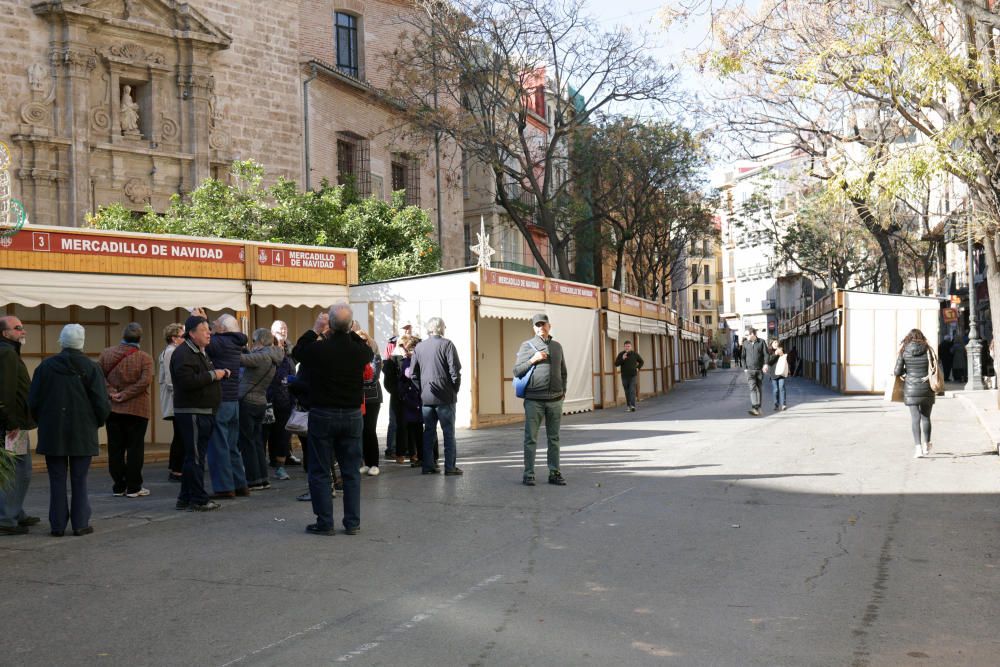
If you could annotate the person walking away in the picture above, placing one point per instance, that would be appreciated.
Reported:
(738, 354)
(197, 397)
(437, 373)
(412, 425)
(543, 397)
(703, 361)
(959, 361)
(15, 422)
(629, 362)
(944, 355)
(336, 366)
(390, 347)
(755, 361)
(128, 373)
(914, 365)
(259, 366)
(69, 401)
(373, 404)
(279, 440)
(225, 464)
(777, 361)
(173, 334)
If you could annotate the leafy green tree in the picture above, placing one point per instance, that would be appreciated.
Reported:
(393, 240)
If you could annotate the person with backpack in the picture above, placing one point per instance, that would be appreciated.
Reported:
(777, 361)
(915, 364)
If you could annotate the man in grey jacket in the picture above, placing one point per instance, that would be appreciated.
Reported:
(755, 361)
(543, 398)
(437, 372)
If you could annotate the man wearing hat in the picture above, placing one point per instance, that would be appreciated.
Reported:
(543, 398)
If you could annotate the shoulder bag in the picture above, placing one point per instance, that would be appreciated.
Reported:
(298, 421)
(521, 383)
(935, 377)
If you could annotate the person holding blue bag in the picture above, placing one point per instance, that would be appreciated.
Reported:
(540, 379)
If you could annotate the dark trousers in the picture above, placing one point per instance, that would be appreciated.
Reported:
(176, 464)
(920, 422)
(279, 441)
(196, 430)
(252, 442)
(754, 381)
(126, 449)
(370, 434)
(304, 444)
(628, 384)
(78, 509)
(335, 433)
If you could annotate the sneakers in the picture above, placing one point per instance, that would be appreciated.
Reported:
(138, 494)
(305, 497)
(118, 494)
(207, 507)
(364, 470)
(755, 412)
(454, 471)
(262, 486)
(316, 529)
(292, 460)
(556, 478)
(352, 531)
(926, 448)
(84, 531)
(280, 473)
(528, 481)
(918, 451)
(374, 471)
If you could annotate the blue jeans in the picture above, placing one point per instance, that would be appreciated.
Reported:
(196, 433)
(61, 512)
(225, 463)
(778, 387)
(335, 432)
(628, 383)
(535, 412)
(446, 415)
(12, 499)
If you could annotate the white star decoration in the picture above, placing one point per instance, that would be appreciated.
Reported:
(483, 249)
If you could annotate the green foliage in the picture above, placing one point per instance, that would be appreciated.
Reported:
(393, 240)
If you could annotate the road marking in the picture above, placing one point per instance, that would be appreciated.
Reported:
(391, 634)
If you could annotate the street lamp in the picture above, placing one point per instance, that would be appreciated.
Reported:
(974, 349)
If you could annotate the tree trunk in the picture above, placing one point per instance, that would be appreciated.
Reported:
(619, 264)
(884, 239)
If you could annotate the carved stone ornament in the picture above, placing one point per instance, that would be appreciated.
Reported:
(38, 112)
(168, 127)
(134, 53)
(78, 62)
(219, 140)
(137, 191)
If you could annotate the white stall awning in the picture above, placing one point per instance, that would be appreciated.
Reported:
(631, 323)
(268, 293)
(648, 326)
(509, 309)
(690, 335)
(95, 290)
(661, 328)
(614, 325)
(830, 319)
(672, 329)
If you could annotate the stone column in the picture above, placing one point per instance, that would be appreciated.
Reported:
(75, 63)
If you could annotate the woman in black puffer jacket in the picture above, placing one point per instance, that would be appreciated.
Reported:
(914, 365)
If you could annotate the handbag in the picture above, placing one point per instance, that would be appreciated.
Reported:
(894, 390)
(935, 377)
(781, 368)
(298, 421)
(521, 383)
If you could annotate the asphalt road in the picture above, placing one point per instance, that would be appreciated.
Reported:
(690, 534)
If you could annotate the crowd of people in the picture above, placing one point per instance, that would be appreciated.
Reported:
(235, 403)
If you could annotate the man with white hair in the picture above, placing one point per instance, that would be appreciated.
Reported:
(335, 359)
(437, 372)
(225, 463)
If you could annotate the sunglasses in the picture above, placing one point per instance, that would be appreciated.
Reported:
(17, 328)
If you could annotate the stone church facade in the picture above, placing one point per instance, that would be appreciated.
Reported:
(134, 101)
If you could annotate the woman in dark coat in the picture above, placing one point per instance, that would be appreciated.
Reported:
(373, 404)
(69, 400)
(913, 364)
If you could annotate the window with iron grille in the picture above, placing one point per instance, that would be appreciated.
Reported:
(406, 176)
(354, 163)
(347, 44)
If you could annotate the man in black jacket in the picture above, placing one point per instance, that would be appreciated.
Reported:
(15, 422)
(335, 364)
(197, 396)
(755, 360)
(630, 362)
(225, 462)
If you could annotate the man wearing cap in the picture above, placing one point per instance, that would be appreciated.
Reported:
(543, 398)
(755, 361)
(197, 397)
(390, 438)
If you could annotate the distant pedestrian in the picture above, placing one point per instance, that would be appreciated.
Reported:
(914, 365)
(173, 334)
(278, 439)
(197, 397)
(437, 373)
(944, 354)
(989, 367)
(391, 373)
(128, 373)
(69, 402)
(629, 362)
(755, 359)
(405, 329)
(777, 361)
(335, 359)
(225, 464)
(959, 361)
(738, 354)
(259, 366)
(410, 430)
(15, 422)
(543, 397)
(373, 405)
(704, 361)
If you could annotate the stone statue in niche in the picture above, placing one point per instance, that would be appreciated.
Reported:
(128, 114)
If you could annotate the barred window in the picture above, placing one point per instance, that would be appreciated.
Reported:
(354, 163)
(406, 176)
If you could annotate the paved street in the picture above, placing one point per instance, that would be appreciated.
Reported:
(689, 534)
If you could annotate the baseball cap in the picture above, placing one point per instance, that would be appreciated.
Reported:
(539, 317)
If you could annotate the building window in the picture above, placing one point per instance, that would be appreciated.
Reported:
(697, 319)
(707, 275)
(708, 295)
(353, 165)
(347, 45)
(694, 298)
(406, 177)
(708, 320)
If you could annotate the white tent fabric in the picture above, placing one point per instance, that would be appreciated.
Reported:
(631, 323)
(672, 329)
(648, 326)
(614, 325)
(688, 335)
(267, 293)
(511, 309)
(661, 328)
(574, 328)
(94, 290)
